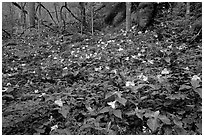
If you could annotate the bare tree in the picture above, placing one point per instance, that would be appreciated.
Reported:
(31, 14)
(92, 18)
(128, 16)
(11, 19)
(83, 15)
(187, 10)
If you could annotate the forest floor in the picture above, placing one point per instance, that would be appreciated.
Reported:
(114, 83)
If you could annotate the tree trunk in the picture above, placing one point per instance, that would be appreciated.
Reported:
(83, 15)
(39, 19)
(128, 16)
(187, 10)
(11, 17)
(92, 18)
(32, 14)
(23, 15)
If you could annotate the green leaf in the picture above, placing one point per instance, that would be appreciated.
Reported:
(180, 131)
(64, 111)
(178, 123)
(7, 97)
(122, 101)
(140, 113)
(164, 119)
(184, 87)
(109, 94)
(63, 132)
(9, 89)
(136, 88)
(195, 83)
(199, 126)
(153, 124)
(177, 96)
(199, 91)
(105, 109)
(117, 113)
(130, 113)
(167, 59)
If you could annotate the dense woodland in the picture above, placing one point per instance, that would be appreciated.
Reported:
(99, 68)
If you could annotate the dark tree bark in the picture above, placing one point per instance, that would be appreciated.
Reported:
(23, 15)
(83, 15)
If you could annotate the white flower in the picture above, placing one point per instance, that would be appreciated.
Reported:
(107, 67)
(139, 32)
(187, 68)
(129, 83)
(98, 69)
(195, 78)
(43, 94)
(143, 50)
(170, 46)
(114, 71)
(127, 58)
(165, 71)
(139, 54)
(54, 127)
(134, 56)
(112, 104)
(120, 49)
(145, 78)
(36, 91)
(59, 102)
(151, 61)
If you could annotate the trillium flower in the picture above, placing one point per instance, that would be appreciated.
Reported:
(112, 104)
(36, 91)
(151, 61)
(107, 67)
(170, 46)
(143, 50)
(43, 94)
(59, 102)
(165, 71)
(127, 58)
(129, 83)
(120, 49)
(134, 56)
(139, 32)
(143, 77)
(114, 71)
(54, 127)
(187, 68)
(195, 78)
(139, 54)
(98, 69)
